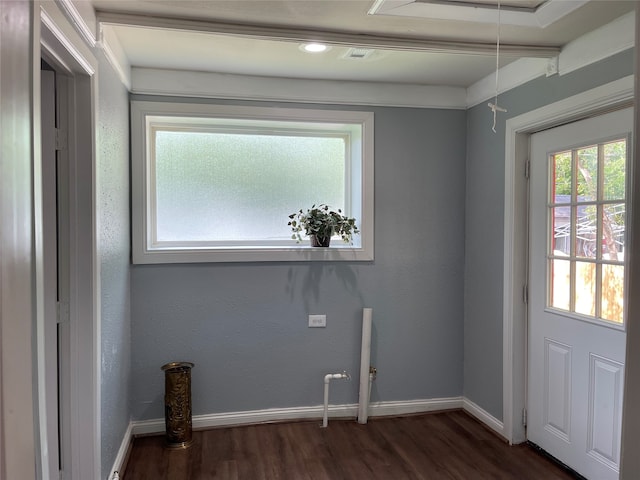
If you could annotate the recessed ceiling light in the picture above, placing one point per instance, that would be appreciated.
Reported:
(314, 47)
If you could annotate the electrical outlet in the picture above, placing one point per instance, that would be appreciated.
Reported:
(317, 320)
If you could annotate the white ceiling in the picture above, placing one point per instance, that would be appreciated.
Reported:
(424, 42)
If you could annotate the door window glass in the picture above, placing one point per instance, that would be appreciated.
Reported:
(587, 218)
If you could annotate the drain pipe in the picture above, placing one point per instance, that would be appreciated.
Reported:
(327, 378)
(367, 372)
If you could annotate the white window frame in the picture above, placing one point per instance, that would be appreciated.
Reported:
(144, 114)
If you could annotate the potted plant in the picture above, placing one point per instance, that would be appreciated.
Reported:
(320, 223)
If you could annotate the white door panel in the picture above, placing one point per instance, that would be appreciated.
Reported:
(576, 337)
(605, 403)
(557, 389)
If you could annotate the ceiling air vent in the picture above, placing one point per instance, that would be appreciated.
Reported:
(358, 53)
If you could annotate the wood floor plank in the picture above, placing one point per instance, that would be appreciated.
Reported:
(438, 446)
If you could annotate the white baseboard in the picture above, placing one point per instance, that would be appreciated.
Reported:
(483, 416)
(383, 409)
(376, 409)
(303, 413)
(122, 451)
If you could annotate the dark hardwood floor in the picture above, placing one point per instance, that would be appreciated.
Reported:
(448, 445)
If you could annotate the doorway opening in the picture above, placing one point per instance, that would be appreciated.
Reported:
(615, 95)
(578, 186)
(54, 335)
(67, 348)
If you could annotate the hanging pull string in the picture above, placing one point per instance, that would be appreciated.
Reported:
(494, 106)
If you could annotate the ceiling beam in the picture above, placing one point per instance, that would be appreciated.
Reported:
(330, 37)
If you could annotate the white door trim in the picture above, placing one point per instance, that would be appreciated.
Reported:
(69, 55)
(518, 130)
(18, 420)
(630, 464)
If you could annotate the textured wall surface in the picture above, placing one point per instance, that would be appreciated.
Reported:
(245, 325)
(484, 227)
(112, 139)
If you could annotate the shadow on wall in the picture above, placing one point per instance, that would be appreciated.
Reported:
(309, 280)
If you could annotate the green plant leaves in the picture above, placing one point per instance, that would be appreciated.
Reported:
(322, 221)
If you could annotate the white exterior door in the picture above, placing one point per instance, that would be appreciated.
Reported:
(576, 335)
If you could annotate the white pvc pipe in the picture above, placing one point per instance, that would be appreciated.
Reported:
(365, 366)
(327, 378)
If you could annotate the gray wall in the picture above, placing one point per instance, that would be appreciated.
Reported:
(112, 148)
(245, 325)
(484, 225)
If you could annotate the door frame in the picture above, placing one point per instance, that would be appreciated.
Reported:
(18, 437)
(617, 94)
(55, 39)
(47, 337)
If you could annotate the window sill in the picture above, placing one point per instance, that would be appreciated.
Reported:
(337, 253)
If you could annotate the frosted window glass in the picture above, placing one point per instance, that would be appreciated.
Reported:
(218, 186)
(217, 183)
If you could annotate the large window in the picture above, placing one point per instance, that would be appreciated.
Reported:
(216, 183)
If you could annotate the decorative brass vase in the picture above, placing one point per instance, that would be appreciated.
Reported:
(177, 404)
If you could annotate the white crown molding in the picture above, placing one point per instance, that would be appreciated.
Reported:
(115, 55)
(547, 14)
(592, 47)
(553, 10)
(510, 76)
(329, 37)
(58, 29)
(243, 87)
(599, 44)
(83, 17)
(377, 409)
